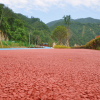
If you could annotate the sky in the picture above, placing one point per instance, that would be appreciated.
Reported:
(50, 10)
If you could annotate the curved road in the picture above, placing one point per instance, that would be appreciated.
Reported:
(50, 74)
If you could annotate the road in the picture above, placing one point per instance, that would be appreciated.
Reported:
(50, 74)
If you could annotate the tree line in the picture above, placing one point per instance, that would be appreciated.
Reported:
(80, 33)
(18, 27)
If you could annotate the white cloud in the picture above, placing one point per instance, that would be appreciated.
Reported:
(45, 5)
(87, 3)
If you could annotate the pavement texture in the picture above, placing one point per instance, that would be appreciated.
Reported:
(50, 74)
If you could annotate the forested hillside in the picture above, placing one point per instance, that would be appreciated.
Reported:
(81, 32)
(87, 20)
(81, 20)
(18, 27)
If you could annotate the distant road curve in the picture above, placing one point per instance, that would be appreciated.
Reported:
(24, 48)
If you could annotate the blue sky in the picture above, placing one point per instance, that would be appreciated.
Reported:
(50, 10)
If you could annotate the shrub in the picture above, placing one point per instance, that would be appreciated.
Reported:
(79, 47)
(31, 46)
(13, 44)
(61, 46)
(98, 48)
(94, 43)
(4, 46)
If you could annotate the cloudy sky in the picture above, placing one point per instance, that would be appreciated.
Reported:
(50, 10)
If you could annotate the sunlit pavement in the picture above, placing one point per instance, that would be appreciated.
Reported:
(50, 74)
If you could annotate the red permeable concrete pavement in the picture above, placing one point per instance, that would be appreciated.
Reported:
(50, 74)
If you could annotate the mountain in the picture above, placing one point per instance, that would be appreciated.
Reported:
(17, 27)
(81, 20)
(53, 22)
(81, 32)
(87, 20)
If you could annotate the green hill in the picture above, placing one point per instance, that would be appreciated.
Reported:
(81, 32)
(81, 20)
(53, 22)
(87, 20)
(17, 27)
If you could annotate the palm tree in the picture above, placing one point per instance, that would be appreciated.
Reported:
(67, 25)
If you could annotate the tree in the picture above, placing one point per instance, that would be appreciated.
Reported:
(11, 22)
(19, 23)
(60, 33)
(4, 25)
(36, 36)
(67, 25)
(20, 35)
(5, 28)
(1, 13)
(37, 40)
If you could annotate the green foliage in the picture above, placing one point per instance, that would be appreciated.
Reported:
(13, 44)
(17, 27)
(31, 46)
(5, 28)
(20, 35)
(61, 47)
(60, 33)
(81, 33)
(94, 43)
(53, 22)
(5, 46)
(79, 47)
(67, 21)
(1, 9)
(37, 37)
(87, 20)
(98, 48)
(81, 20)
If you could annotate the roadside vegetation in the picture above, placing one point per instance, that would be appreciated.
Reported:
(13, 44)
(17, 27)
(18, 31)
(61, 47)
(93, 44)
(59, 33)
(81, 33)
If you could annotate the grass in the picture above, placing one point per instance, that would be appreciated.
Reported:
(79, 47)
(31, 46)
(4, 46)
(61, 47)
(13, 44)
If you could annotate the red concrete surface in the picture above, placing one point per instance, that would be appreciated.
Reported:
(50, 74)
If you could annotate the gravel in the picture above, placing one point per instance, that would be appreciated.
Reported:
(50, 74)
